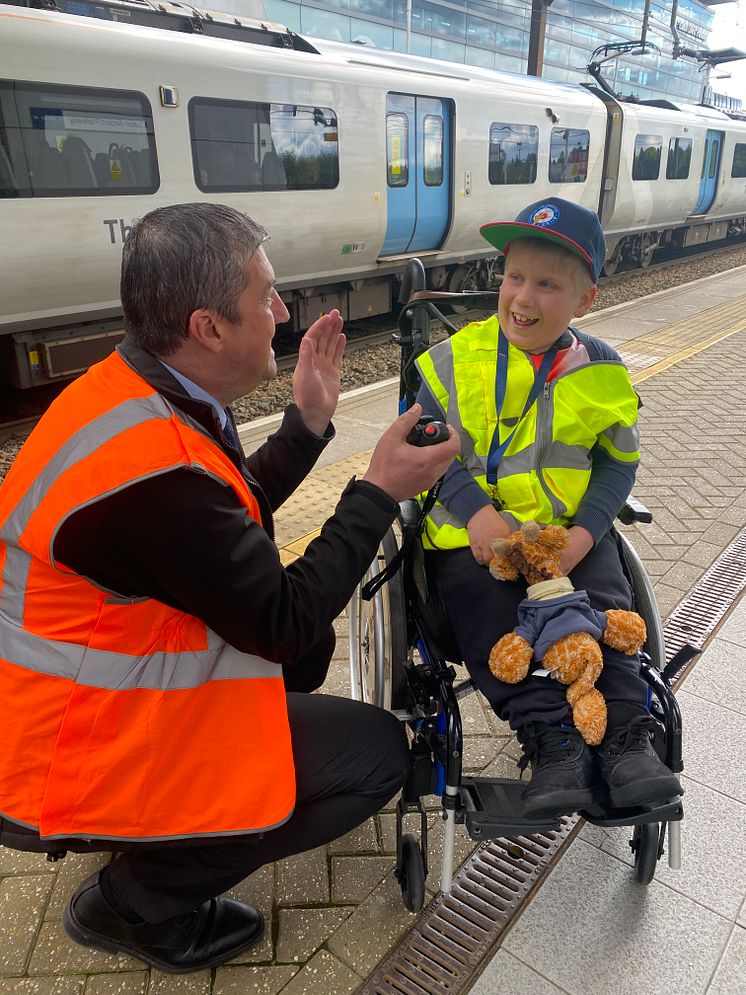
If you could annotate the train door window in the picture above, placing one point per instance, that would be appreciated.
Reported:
(64, 141)
(738, 169)
(568, 155)
(245, 146)
(646, 164)
(397, 146)
(714, 151)
(513, 152)
(679, 158)
(432, 148)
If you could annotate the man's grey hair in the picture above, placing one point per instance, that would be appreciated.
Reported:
(179, 259)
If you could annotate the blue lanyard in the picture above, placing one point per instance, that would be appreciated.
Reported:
(497, 448)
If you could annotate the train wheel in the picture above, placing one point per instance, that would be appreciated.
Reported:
(412, 873)
(378, 636)
(645, 844)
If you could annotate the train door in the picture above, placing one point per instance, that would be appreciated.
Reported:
(710, 164)
(418, 172)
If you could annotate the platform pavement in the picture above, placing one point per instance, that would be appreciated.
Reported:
(334, 913)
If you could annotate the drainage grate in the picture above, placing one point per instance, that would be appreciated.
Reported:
(699, 613)
(453, 936)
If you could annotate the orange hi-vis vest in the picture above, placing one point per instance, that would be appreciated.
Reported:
(120, 717)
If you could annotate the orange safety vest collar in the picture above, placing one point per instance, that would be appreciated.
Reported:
(124, 718)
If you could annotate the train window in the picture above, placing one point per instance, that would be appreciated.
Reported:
(713, 159)
(397, 150)
(244, 146)
(738, 168)
(64, 141)
(646, 164)
(568, 155)
(432, 147)
(513, 152)
(679, 158)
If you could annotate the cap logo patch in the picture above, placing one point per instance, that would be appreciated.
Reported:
(548, 214)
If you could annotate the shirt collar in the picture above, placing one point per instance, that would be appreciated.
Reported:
(198, 393)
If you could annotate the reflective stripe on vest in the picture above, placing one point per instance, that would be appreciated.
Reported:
(545, 470)
(124, 718)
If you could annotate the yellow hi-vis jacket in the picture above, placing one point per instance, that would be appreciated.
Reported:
(124, 718)
(545, 468)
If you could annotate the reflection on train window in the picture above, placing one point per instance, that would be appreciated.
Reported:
(64, 141)
(568, 155)
(514, 149)
(432, 145)
(646, 164)
(739, 160)
(242, 145)
(397, 150)
(679, 158)
(713, 159)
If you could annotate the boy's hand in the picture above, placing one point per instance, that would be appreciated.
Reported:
(580, 542)
(484, 526)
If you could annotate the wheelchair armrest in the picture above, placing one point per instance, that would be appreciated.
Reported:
(634, 511)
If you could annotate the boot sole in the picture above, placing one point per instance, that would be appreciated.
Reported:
(561, 803)
(658, 790)
(89, 938)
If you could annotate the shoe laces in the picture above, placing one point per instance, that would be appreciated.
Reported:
(552, 743)
(632, 738)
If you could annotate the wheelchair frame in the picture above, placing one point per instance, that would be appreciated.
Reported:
(401, 655)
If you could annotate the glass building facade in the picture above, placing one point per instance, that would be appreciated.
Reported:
(495, 34)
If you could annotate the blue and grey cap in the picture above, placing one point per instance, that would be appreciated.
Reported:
(555, 220)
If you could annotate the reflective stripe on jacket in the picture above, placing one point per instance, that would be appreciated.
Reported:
(545, 469)
(124, 718)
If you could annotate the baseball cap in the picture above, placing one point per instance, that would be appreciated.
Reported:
(555, 220)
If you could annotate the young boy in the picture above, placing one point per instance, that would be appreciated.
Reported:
(548, 423)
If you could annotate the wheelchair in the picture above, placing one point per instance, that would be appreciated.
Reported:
(402, 655)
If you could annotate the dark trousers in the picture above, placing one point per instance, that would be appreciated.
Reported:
(350, 759)
(481, 609)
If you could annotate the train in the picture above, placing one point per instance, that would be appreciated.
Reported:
(354, 159)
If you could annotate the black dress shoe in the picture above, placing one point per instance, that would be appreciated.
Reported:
(214, 933)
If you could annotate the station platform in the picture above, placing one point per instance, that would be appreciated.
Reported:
(334, 914)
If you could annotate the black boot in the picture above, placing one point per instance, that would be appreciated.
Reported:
(630, 766)
(561, 770)
(214, 933)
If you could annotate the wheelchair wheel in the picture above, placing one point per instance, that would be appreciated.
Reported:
(645, 844)
(378, 636)
(645, 603)
(412, 873)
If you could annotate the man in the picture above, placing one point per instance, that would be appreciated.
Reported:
(153, 650)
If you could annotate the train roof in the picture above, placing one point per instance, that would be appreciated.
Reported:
(172, 15)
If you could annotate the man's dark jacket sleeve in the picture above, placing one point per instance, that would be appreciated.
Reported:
(185, 539)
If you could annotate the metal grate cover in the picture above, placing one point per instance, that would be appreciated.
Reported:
(451, 939)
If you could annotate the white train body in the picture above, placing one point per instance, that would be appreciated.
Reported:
(60, 253)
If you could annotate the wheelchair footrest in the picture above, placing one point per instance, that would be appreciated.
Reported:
(492, 808)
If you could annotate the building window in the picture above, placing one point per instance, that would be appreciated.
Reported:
(679, 158)
(646, 164)
(64, 141)
(397, 150)
(513, 152)
(432, 148)
(568, 155)
(738, 168)
(242, 146)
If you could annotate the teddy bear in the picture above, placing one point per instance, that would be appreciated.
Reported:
(557, 625)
